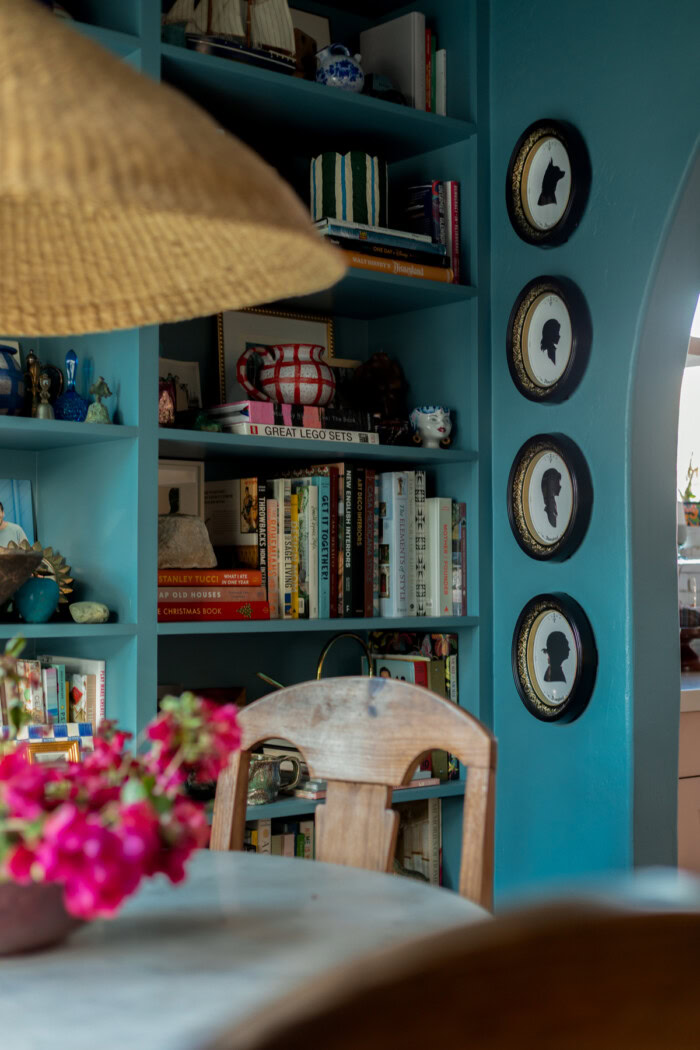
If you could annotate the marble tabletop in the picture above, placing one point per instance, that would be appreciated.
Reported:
(180, 962)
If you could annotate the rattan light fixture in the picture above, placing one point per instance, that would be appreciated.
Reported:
(122, 205)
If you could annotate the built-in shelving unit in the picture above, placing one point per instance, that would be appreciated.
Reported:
(95, 487)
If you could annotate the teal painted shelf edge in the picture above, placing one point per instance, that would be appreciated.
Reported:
(355, 623)
(35, 435)
(76, 631)
(121, 44)
(291, 807)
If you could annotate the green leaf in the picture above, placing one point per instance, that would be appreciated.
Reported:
(15, 646)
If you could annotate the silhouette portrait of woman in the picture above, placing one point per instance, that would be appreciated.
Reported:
(548, 194)
(551, 487)
(557, 651)
(551, 330)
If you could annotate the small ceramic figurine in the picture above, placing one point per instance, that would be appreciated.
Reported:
(70, 405)
(432, 426)
(97, 412)
(44, 409)
(336, 67)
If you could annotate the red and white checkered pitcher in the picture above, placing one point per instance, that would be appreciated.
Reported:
(287, 373)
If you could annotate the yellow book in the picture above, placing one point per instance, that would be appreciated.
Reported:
(294, 505)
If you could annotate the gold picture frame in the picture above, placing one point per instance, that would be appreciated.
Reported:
(40, 751)
(226, 391)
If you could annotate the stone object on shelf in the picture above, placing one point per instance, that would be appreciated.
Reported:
(183, 543)
(89, 612)
(37, 599)
(16, 566)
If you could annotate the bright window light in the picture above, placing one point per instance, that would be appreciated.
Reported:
(695, 330)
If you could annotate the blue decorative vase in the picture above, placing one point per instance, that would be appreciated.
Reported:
(70, 405)
(37, 599)
(336, 67)
(11, 382)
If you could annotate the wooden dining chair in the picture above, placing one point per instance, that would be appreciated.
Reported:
(559, 978)
(365, 736)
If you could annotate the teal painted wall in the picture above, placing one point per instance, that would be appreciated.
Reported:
(601, 792)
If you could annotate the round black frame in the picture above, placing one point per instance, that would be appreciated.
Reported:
(573, 142)
(581, 338)
(586, 652)
(582, 497)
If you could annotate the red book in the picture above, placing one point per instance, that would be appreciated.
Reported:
(211, 594)
(369, 542)
(209, 578)
(178, 612)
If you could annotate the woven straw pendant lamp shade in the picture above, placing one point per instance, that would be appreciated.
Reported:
(122, 205)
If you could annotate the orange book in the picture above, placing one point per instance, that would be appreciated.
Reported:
(399, 267)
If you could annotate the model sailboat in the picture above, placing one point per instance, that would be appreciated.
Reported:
(237, 28)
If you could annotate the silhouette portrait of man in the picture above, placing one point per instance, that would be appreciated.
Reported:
(557, 651)
(551, 331)
(551, 487)
(548, 193)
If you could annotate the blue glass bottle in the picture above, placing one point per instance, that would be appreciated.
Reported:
(70, 405)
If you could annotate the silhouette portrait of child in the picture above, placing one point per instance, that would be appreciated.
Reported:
(551, 487)
(551, 331)
(557, 651)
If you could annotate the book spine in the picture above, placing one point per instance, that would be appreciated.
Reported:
(273, 587)
(419, 532)
(398, 268)
(210, 578)
(333, 544)
(441, 82)
(411, 541)
(212, 594)
(49, 680)
(313, 551)
(393, 552)
(435, 211)
(453, 230)
(463, 555)
(348, 542)
(272, 412)
(324, 546)
(418, 77)
(375, 550)
(459, 596)
(177, 612)
(62, 696)
(376, 235)
(306, 828)
(418, 211)
(294, 554)
(433, 72)
(428, 70)
(78, 711)
(435, 841)
(368, 552)
(262, 532)
(442, 215)
(348, 437)
(439, 556)
(301, 492)
(284, 545)
(358, 543)
(387, 252)
(341, 539)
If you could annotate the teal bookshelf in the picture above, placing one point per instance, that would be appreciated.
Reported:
(95, 488)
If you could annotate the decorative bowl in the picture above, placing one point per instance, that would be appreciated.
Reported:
(16, 566)
(33, 917)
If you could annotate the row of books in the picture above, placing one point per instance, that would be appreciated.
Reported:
(58, 689)
(418, 848)
(433, 209)
(329, 541)
(412, 253)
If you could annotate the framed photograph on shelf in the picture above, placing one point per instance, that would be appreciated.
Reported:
(554, 658)
(16, 512)
(181, 487)
(49, 752)
(240, 330)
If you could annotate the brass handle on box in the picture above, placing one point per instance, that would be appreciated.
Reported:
(333, 640)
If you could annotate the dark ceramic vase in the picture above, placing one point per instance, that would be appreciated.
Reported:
(37, 599)
(33, 917)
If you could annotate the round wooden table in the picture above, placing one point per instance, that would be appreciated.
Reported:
(180, 962)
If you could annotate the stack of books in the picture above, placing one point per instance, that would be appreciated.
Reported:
(327, 541)
(432, 209)
(61, 692)
(308, 422)
(294, 838)
(211, 594)
(406, 253)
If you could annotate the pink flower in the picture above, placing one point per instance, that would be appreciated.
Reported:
(19, 864)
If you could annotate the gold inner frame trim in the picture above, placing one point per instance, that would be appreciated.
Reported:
(67, 749)
(316, 318)
(524, 656)
(521, 511)
(519, 175)
(519, 333)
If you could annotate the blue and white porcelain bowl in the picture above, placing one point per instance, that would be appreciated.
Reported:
(336, 67)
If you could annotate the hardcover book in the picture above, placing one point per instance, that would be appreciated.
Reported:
(294, 533)
(393, 551)
(210, 578)
(178, 612)
(195, 595)
(420, 544)
(439, 556)
(350, 437)
(77, 665)
(273, 588)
